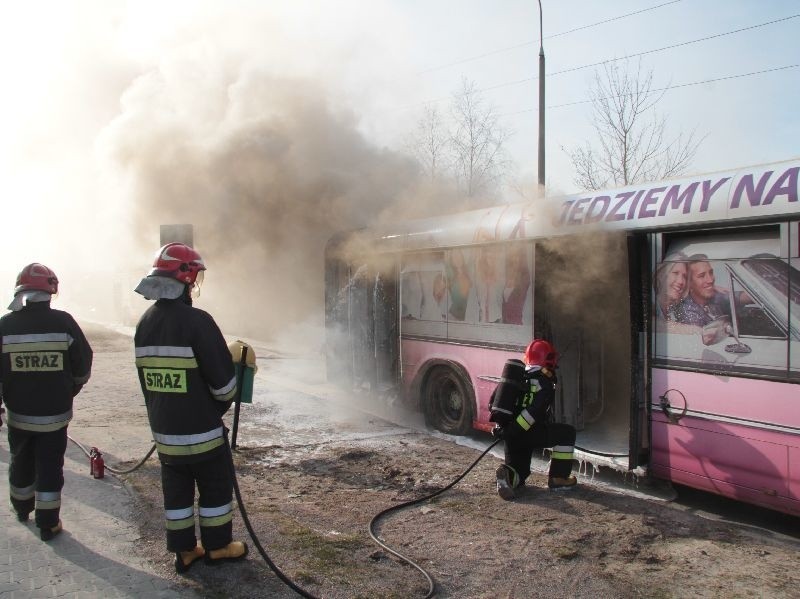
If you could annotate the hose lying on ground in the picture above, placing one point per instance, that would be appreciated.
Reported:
(278, 572)
(114, 470)
(431, 583)
(243, 512)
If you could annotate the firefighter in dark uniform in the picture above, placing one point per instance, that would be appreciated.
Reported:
(525, 421)
(46, 360)
(188, 380)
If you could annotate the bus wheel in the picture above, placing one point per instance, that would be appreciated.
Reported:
(447, 401)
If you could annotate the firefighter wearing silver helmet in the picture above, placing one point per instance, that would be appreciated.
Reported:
(45, 362)
(526, 424)
(188, 381)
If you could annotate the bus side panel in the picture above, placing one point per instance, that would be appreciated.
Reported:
(711, 447)
(418, 355)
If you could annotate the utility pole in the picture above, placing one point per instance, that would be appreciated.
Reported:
(541, 101)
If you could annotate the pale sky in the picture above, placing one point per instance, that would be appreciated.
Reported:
(77, 74)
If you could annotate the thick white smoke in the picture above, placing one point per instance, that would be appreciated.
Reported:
(242, 119)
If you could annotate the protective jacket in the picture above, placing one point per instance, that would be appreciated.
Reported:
(187, 378)
(45, 362)
(534, 403)
(531, 426)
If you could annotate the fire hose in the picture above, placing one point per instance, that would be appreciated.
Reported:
(243, 512)
(91, 454)
(399, 506)
(98, 465)
(246, 520)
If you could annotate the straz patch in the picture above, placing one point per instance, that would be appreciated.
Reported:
(164, 380)
(37, 361)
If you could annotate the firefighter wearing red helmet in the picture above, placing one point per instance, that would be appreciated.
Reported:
(528, 425)
(188, 380)
(45, 362)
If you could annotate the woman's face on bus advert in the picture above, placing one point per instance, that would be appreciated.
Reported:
(676, 282)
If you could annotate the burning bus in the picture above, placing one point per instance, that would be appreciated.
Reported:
(675, 307)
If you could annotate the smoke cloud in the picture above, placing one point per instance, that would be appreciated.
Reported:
(265, 165)
(244, 120)
(265, 178)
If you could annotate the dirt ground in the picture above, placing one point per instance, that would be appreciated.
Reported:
(311, 504)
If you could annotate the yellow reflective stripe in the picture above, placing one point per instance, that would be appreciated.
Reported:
(23, 494)
(216, 520)
(170, 362)
(48, 505)
(40, 346)
(523, 423)
(37, 428)
(183, 450)
(180, 524)
(228, 396)
(225, 393)
(561, 455)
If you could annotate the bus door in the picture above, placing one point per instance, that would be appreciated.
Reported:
(726, 319)
(386, 333)
(338, 279)
(587, 301)
(362, 337)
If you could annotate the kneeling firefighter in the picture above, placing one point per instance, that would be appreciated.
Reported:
(188, 381)
(522, 407)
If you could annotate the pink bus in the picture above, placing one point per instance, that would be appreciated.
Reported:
(675, 307)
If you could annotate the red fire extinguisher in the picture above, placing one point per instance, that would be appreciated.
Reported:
(97, 466)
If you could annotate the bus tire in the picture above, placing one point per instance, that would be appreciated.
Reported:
(448, 401)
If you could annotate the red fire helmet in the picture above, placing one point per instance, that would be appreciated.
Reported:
(178, 261)
(36, 277)
(541, 353)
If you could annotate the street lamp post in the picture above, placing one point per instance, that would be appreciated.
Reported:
(541, 101)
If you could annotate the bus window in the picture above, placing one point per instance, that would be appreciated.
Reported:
(423, 295)
(490, 293)
(423, 287)
(721, 302)
(517, 290)
(461, 286)
(752, 317)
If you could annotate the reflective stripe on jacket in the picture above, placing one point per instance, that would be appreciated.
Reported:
(187, 377)
(45, 359)
(535, 406)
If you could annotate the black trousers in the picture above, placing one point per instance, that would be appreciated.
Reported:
(214, 481)
(36, 473)
(519, 449)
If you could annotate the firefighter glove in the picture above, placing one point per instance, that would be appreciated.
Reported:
(498, 432)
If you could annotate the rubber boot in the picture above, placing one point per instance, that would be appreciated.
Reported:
(23, 516)
(185, 559)
(556, 483)
(48, 533)
(505, 488)
(233, 551)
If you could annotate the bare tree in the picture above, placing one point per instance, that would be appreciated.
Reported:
(469, 147)
(632, 142)
(430, 144)
(478, 141)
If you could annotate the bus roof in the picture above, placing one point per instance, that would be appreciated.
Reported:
(755, 193)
